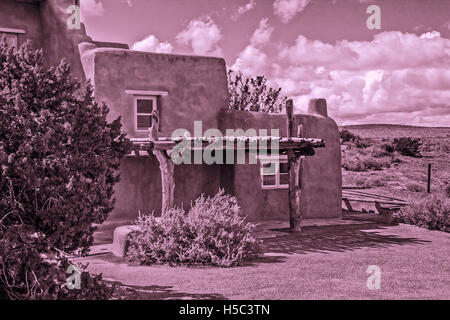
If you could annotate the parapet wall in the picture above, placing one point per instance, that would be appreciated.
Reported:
(196, 87)
(44, 23)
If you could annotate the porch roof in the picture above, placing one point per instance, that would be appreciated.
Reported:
(305, 146)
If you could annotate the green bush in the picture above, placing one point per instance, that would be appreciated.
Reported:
(447, 190)
(388, 147)
(346, 135)
(352, 162)
(407, 146)
(362, 143)
(253, 94)
(59, 158)
(212, 232)
(28, 273)
(370, 182)
(430, 211)
(415, 187)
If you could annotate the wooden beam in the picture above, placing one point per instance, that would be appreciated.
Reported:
(298, 144)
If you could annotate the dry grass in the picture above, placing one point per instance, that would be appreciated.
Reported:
(405, 176)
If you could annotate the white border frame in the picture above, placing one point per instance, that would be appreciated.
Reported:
(145, 97)
(146, 93)
(11, 30)
(266, 159)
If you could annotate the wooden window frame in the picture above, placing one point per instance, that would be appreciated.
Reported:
(144, 95)
(276, 160)
(136, 114)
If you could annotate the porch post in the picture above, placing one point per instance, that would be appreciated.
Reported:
(166, 167)
(295, 218)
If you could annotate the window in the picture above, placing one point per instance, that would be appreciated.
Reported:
(144, 108)
(10, 35)
(274, 172)
(145, 102)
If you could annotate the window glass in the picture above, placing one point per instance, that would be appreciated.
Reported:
(268, 168)
(269, 180)
(274, 173)
(144, 106)
(144, 122)
(284, 179)
(284, 167)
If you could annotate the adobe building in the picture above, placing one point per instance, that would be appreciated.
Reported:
(183, 89)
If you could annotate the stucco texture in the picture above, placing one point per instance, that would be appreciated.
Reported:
(320, 175)
(25, 16)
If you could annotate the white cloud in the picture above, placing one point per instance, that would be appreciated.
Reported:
(203, 36)
(262, 34)
(395, 78)
(152, 44)
(251, 61)
(244, 9)
(287, 9)
(91, 8)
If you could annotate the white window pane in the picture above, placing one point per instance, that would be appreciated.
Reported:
(268, 168)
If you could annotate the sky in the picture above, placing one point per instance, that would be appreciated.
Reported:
(398, 74)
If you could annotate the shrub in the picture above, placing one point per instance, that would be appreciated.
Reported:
(369, 182)
(388, 147)
(375, 164)
(430, 211)
(415, 187)
(253, 94)
(407, 146)
(353, 165)
(447, 190)
(362, 143)
(58, 165)
(212, 232)
(346, 135)
(27, 273)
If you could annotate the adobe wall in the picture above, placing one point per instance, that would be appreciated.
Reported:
(58, 41)
(197, 86)
(321, 175)
(25, 16)
(197, 90)
(45, 24)
(139, 188)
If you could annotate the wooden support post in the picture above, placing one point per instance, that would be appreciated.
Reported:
(166, 167)
(429, 179)
(294, 170)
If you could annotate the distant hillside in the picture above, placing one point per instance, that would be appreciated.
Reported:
(387, 126)
(396, 131)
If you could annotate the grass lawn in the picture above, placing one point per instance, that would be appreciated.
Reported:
(319, 263)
